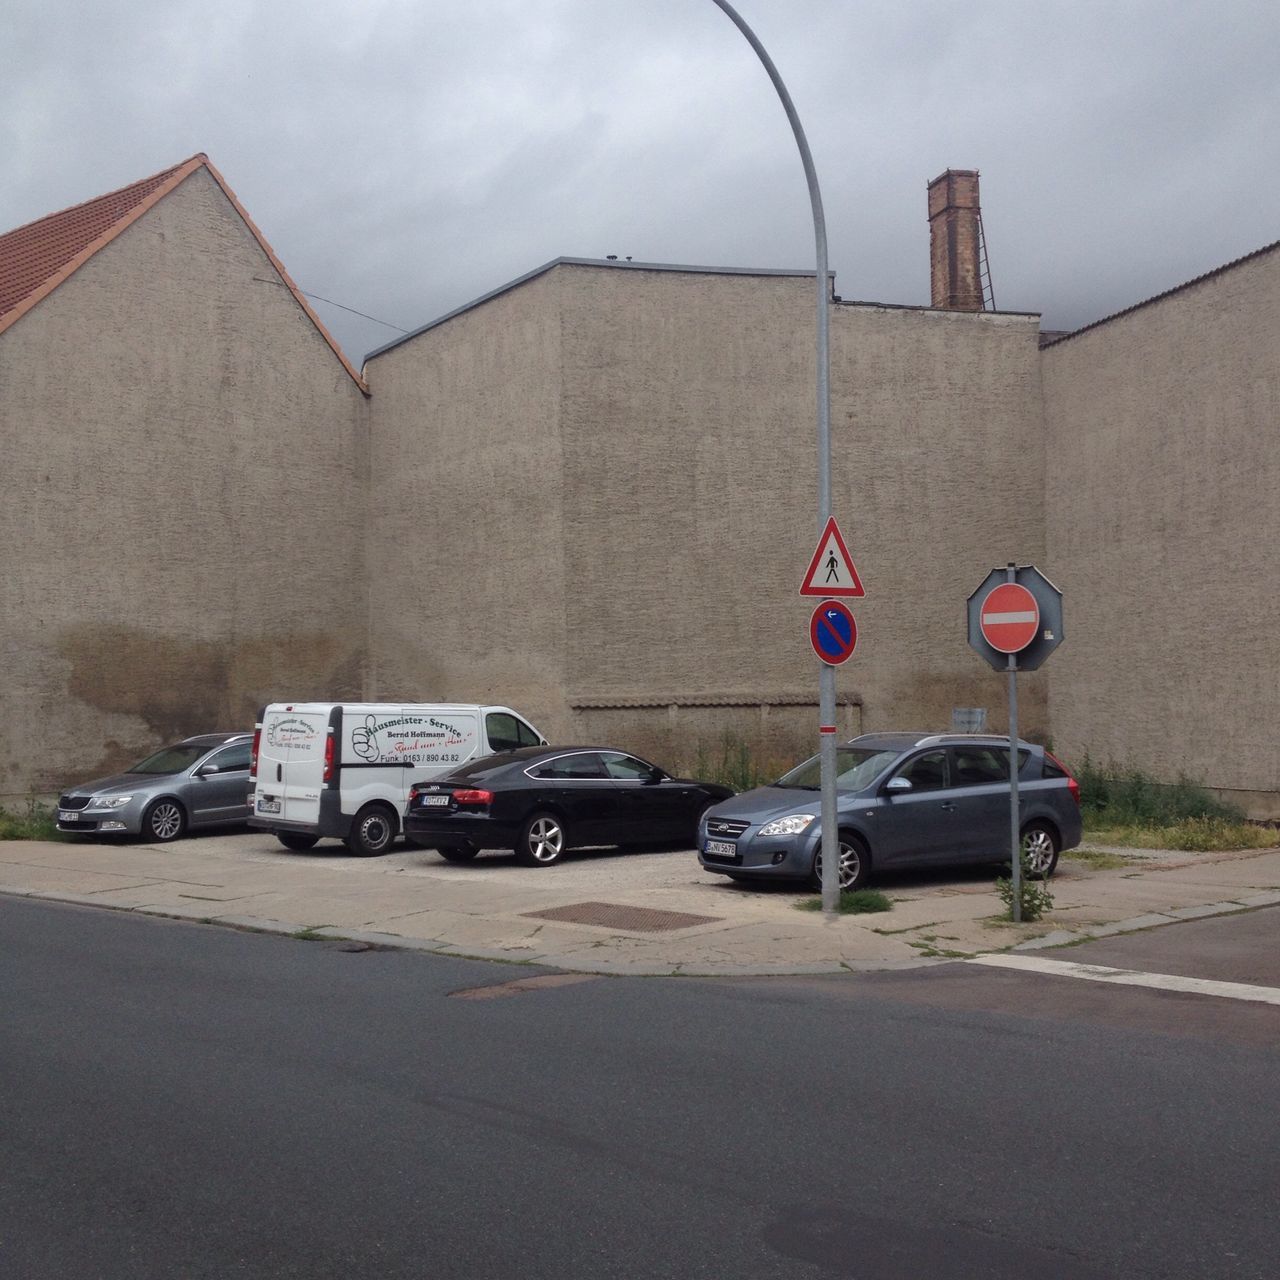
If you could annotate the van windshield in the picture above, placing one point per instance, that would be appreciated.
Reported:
(856, 768)
(169, 759)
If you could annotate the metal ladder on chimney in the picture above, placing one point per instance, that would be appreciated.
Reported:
(984, 269)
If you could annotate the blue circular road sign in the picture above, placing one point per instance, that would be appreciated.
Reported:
(833, 632)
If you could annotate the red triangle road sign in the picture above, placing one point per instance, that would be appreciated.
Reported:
(831, 571)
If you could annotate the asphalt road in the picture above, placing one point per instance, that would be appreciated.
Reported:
(185, 1101)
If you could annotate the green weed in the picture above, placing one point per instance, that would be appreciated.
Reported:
(733, 763)
(37, 823)
(859, 902)
(1125, 806)
(1033, 896)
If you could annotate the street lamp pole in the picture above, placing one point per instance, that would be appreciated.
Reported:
(827, 673)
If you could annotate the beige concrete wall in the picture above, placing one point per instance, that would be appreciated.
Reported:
(691, 497)
(1163, 515)
(184, 512)
(466, 504)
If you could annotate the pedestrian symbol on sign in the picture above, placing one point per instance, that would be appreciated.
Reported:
(832, 555)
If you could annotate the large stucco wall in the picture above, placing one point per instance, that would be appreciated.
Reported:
(183, 523)
(1163, 510)
(595, 494)
(690, 458)
(465, 511)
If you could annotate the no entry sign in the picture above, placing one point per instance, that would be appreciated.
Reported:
(1009, 618)
(833, 632)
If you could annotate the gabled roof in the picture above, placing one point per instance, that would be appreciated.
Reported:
(35, 259)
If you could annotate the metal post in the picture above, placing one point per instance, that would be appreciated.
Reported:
(827, 673)
(1014, 841)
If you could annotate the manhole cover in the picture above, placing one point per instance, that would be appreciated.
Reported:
(608, 915)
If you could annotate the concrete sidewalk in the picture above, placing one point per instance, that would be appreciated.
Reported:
(633, 913)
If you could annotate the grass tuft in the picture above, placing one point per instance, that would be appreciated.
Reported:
(37, 823)
(1124, 806)
(859, 902)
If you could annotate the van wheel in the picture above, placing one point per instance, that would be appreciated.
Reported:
(296, 841)
(542, 841)
(372, 832)
(164, 820)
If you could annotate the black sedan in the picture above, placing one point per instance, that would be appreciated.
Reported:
(541, 801)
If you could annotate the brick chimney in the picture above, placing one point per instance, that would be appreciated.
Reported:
(954, 231)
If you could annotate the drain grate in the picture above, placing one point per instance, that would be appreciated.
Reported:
(609, 915)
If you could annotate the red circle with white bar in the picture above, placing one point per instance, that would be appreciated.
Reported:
(1010, 618)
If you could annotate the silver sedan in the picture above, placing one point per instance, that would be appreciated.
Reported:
(199, 782)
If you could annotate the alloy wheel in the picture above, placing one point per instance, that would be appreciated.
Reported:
(546, 840)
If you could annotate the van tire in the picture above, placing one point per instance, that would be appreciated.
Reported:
(298, 841)
(373, 831)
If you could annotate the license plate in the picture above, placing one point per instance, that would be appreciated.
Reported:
(722, 849)
(67, 815)
(434, 800)
(268, 804)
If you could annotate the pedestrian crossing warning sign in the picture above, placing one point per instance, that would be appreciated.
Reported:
(831, 571)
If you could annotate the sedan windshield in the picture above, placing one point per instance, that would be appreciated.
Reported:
(170, 760)
(856, 768)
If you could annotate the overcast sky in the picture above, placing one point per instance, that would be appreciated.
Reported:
(405, 156)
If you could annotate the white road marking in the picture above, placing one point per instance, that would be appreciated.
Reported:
(1132, 977)
(989, 619)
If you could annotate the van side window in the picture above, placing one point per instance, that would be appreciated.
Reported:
(526, 735)
(502, 731)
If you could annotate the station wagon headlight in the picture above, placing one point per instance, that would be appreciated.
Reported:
(109, 802)
(792, 825)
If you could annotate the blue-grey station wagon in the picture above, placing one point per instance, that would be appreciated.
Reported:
(902, 799)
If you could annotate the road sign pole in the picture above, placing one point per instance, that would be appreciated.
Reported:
(827, 770)
(1014, 840)
(827, 675)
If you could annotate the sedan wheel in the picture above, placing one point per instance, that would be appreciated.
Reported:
(164, 821)
(542, 842)
(855, 865)
(1039, 850)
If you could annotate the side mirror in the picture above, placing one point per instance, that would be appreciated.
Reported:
(655, 775)
(898, 784)
(206, 769)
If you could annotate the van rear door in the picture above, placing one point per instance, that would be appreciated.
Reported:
(291, 761)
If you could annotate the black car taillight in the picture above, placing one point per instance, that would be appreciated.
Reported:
(471, 796)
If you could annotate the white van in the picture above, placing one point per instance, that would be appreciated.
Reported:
(344, 769)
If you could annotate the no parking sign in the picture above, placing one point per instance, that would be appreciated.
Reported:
(833, 632)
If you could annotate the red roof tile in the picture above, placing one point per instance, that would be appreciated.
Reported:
(37, 258)
(34, 255)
